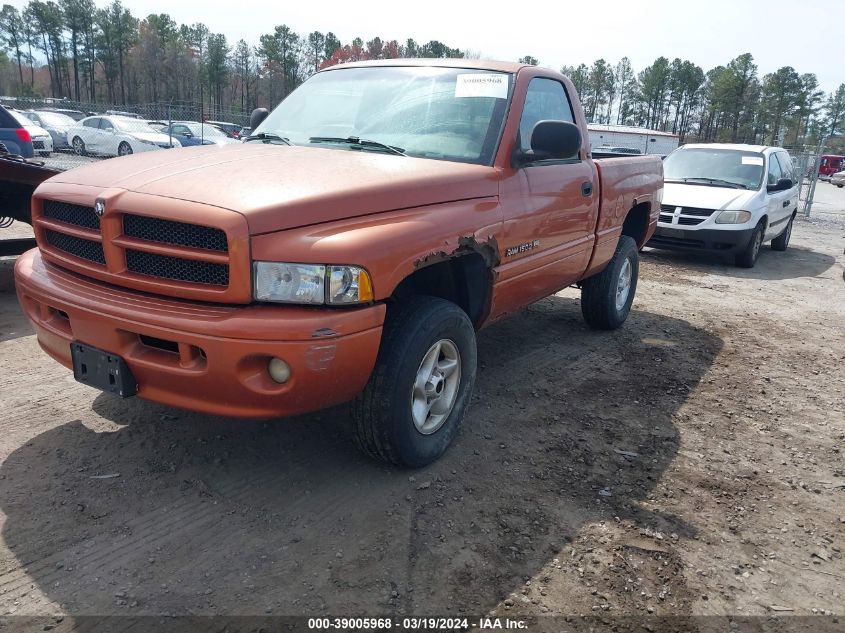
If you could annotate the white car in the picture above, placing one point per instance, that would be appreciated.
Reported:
(42, 142)
(116, 136)
(727, 198)
(838, 179)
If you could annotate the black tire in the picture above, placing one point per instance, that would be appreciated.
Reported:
(840, 186)
(781, 242)
(78, 146)
(599, 292)
(747, 257)
(384, 426)
(124, 149)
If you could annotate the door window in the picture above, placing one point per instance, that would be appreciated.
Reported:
(106, 125)
(774, 170)
(94, 122)
(786, 167)
(545, 101)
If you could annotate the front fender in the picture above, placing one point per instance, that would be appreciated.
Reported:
(391, 245)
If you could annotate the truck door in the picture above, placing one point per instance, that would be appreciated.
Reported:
(549, 207)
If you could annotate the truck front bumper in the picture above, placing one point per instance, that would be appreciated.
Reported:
(200, 356)
(724, 241)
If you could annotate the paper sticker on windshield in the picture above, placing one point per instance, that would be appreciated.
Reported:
(752, 160)
(482, 85)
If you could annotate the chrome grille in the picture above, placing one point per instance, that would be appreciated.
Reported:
(176, 268)
(82, 248)
(174, 233)
(690, 216)
(71, 214)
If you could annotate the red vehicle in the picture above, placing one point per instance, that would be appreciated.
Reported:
(309, 266)
(829, 164)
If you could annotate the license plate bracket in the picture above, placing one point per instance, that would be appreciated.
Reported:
(103, 370)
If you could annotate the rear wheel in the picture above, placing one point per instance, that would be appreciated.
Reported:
(78, 146)
(606, 298)
(747, 257)
(412, 407)
(124, 149)
(781, 242)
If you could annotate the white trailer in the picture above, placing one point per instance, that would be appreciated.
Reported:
(639, 138)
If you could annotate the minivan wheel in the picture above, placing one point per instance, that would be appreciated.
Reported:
(747, 257)
(410, 411)
(781, 242)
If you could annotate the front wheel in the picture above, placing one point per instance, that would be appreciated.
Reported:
(781, 242)
(747, 257)
(413, 404)
(124, 149)
(606, 298)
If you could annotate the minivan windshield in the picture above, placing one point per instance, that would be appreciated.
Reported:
(441, 113)
(716, 167)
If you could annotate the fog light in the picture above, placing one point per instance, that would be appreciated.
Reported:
(279, 370)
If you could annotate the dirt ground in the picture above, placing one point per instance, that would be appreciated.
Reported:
(689, 464)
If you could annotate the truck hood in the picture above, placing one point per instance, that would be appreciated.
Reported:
(280, 187)
(706, 197)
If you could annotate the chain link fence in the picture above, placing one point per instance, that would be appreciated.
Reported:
(805, 159)
(64, 158)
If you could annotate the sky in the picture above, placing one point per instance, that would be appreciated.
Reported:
(568, 32)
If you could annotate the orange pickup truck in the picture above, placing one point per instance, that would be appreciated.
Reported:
(348, 250)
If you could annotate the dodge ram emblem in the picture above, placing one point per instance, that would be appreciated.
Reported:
(99, 208)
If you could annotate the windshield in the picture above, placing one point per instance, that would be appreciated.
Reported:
(54, 118)
(717, 167)
(133, 125)
(205, 130)
(442, 113)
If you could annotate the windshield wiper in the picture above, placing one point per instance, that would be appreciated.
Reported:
(267, 136)
(715, 181)
(361, 142)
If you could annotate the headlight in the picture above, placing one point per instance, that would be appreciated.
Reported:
(733, 217)
(311, 284)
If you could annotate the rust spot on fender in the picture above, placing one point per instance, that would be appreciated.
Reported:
(489, 251)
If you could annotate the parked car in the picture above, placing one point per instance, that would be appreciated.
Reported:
(830, 164)
(76, 115)
(14, 136)
(190, 133)
(128, 115)
(232, 130)
(604, 149)
(728, 198)
(42, 142)
(116, 136)
(245, 131)
(838, 179)
(157, 125)
(56, 124)
(356, 264)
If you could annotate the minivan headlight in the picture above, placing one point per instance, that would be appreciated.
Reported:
(311, 283)
(733, 217)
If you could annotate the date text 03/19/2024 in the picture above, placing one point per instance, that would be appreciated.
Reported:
(416, 624)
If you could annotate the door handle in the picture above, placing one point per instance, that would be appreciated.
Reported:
(786, 203)
(586, 189)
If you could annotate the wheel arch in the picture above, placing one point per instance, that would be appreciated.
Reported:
(465, 279)
(636, 223)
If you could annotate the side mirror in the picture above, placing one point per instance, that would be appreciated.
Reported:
(188, 134)
(257, 117)
(784, 184)
(552, 140)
